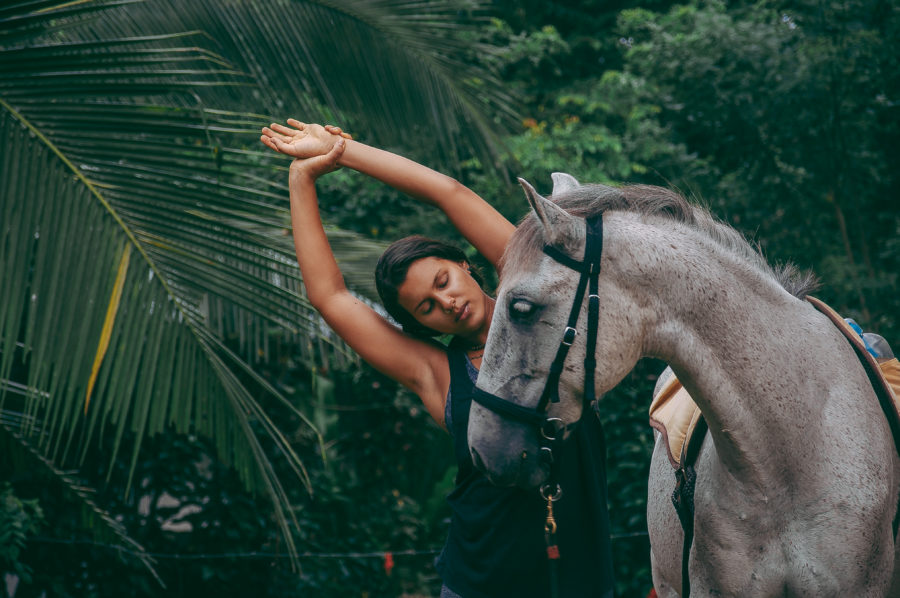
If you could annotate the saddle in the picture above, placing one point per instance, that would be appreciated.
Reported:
(674, 414)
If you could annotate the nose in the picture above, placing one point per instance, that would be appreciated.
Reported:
(448, 304)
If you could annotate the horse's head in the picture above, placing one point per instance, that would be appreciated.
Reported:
(534, 360)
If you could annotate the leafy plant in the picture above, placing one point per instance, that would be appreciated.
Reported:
(19, 519)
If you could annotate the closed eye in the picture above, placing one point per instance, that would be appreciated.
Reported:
(522, 310)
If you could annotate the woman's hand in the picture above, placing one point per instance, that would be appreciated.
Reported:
(313, 168)
(303, 140)
(334, 130)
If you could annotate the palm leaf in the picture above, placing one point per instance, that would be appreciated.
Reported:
(70, 212)
(64, 242)
(402, 70)
(113, 148)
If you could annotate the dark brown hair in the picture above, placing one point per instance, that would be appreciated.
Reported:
(393, 265)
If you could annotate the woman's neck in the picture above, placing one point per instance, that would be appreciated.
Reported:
(473, 344)
(482, 334)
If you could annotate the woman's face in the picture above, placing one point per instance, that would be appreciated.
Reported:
(442, 295)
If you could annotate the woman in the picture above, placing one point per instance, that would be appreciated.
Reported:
(496, 545)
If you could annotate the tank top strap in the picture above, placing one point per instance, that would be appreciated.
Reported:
(460, 397)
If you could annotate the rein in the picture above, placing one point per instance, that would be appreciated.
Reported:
(552, 429)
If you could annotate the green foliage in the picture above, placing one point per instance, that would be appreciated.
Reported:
(19, 519)
(604, 130)
(185, 504)
(381, 489)
(530, 60)
(629, 444)
(378, 485)
(792, 107)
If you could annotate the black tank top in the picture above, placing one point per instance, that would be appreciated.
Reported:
(495, 547)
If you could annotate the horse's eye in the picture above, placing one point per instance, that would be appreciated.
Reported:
(521, 310)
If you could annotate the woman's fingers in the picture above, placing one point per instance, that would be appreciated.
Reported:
(305, 141)
(286, 131)
(274, 142)
(281, 145)
(270, 142)
(272, 134)
(321, 164)
(335, 130)
(329, 161)
(337, 150)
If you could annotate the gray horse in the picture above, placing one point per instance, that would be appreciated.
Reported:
(798, 480)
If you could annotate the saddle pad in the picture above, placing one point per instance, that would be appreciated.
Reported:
(675, 415)
(890, 369)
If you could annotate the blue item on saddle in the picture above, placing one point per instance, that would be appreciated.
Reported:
(879, 345)
(875, 343)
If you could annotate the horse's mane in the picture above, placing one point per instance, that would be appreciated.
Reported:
(588, 200)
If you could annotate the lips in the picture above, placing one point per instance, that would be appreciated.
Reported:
(463, 313)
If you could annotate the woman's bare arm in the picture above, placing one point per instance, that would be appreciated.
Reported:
(483, 226)
(420, 366)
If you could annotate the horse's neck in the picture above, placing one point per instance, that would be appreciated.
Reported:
(742, 346)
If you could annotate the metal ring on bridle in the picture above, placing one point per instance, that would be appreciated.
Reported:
(546, 455)
(558, 426)
(547, 495)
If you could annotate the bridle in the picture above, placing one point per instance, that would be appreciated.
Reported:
(552, 429)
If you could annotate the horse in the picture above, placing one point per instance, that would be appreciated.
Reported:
(798, 478)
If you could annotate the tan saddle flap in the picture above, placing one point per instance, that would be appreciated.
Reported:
(890, 369)
(675, 415)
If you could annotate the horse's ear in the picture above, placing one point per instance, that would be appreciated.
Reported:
(563, 182)
(558, 227)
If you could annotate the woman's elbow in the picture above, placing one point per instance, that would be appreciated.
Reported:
(324, 301)
(319, 300)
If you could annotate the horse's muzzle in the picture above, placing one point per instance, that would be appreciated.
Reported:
(525, 473)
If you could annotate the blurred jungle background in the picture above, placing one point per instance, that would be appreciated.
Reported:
(176, 421)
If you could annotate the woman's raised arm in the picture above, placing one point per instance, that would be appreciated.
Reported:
(483, 226)
(419, 365)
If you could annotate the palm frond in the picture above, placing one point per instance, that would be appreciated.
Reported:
(63, 240)
(71, 209)
(405, 69)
